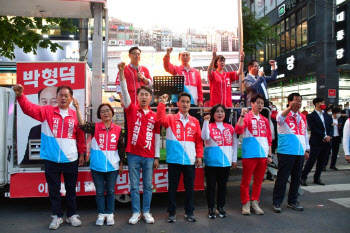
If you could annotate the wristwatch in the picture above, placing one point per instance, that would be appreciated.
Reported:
(270, 156)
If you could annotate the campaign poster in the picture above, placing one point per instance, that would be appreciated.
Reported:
(40, 81)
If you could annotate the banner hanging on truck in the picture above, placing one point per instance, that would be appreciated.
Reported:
(40, 81)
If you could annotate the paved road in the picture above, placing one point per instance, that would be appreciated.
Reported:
(327, 209)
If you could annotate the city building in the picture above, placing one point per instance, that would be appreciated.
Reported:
(309, 56)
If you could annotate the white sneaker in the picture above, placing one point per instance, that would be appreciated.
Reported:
(100, 219)
(255, 206)
(135, 218)
(148, 217)
(246, 208)
(74, 220)
(110, 219)
(56, 221)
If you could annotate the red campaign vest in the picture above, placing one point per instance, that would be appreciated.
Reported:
(257, 127)
(224, 139)
(141, 131)
(188, 133)
(101, 136)
(292, 123)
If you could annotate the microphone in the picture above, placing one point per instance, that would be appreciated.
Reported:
(137, 70)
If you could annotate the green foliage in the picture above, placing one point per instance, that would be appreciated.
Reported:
(256, 32)
(16, 31)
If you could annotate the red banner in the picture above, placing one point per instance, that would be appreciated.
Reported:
(34, 184)
(36, 76)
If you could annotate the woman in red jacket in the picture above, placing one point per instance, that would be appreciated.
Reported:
(220, 81)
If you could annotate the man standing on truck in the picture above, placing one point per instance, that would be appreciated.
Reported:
(61, 142)
(184, 150)
(192, 82)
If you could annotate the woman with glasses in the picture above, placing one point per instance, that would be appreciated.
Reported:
(220, 153)
(106, 158)
(220, 81)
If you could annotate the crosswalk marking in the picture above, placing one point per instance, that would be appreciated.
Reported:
(342, 201)
(327, 188)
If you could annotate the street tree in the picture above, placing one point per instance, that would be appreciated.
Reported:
(256, 32)
(18, 31)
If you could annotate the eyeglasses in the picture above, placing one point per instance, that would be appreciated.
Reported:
(136, 54)
(106, 111)
(257, 66)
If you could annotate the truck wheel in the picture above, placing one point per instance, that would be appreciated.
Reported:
(123, 198)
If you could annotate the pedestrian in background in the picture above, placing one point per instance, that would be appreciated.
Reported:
(320, 124)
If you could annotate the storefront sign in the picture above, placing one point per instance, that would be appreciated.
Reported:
(341, 35)
(290, 62)
(281, 10)
(259, 8)
(288, 5)
(332, 93)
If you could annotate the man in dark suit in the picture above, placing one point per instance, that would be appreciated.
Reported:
(321, 128)
(338, 124)
(256, 81)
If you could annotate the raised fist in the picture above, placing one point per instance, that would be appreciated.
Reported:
(207, 117)
(244, 111)
(18, 89)
(75, 103)
(169, 50)
(121, 66)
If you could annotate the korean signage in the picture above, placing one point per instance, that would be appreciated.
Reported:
(35, 185)
(341, 35)
(332, 93)
(40, 81)
(286, 6)
(259, 8)
(269, 6)
(290, 62)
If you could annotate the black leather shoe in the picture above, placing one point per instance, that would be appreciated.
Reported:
(303, 182)
(334, 168)
(295, 206)
(319, 181)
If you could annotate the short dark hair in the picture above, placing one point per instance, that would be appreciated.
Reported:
(218, 58)
(291, 96)
(144, 88)
(251, 63)
(183, 94)
(99, 109)
(336, 110)
(257, 96)
(180, 53)
(134, 48)
(317, 100)
(213, 110)
(65, 87)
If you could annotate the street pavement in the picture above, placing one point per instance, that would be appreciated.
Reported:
(327, 209)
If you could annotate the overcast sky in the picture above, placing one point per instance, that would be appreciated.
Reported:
(177, 15)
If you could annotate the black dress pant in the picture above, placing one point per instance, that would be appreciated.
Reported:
(216, 176)
(53, 173)
(319, 154)
(287, 165)
(174, 174)
(335, 149)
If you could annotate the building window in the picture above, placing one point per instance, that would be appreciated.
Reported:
(304, 33)
(292, 20)
(283, 44)
(304, 13)
(292, 39)
(298, 34)
(287, 41)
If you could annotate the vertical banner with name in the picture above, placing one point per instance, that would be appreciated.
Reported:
(341, 35)
(40, 81)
